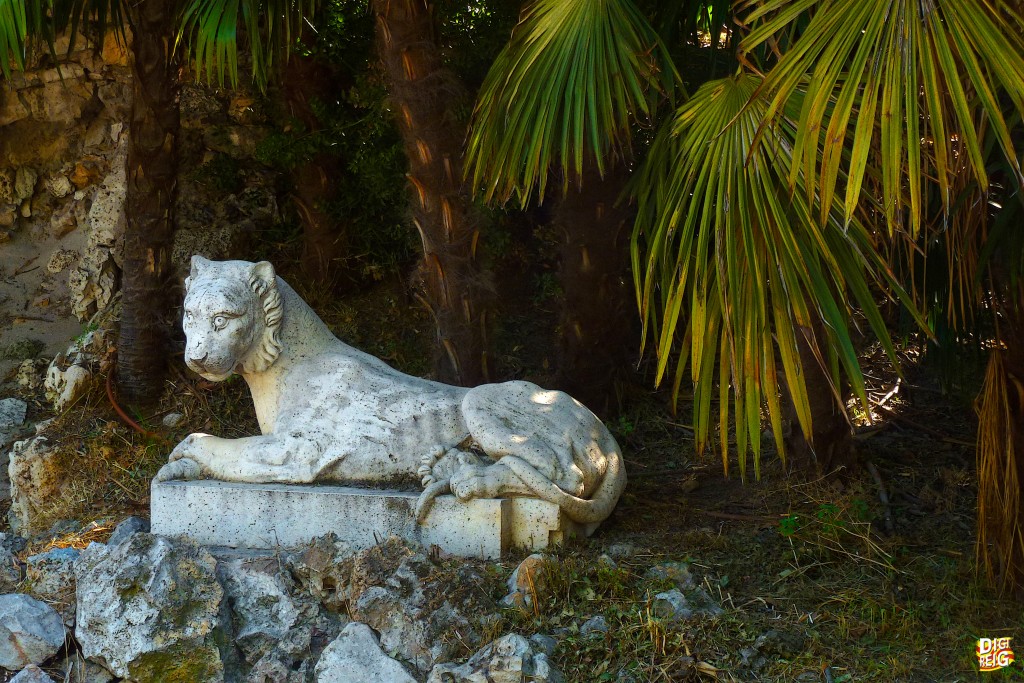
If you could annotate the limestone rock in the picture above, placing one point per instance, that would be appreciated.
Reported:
(80, 670)
(356, 656)
(30, 631)
(25, 183)
(264, 608)
(676, 572)
(31, 674)
(151, 606)
(8, 217)
(7, 187)
(173, 420)
(58, 185)
(323, 569)
(12, 108)
(673, 605)
(10, 572)
(29, 375)
(94, 281)
(12, 418)
(64, 387)
(510, 659)
(527, 582)
(61, 260)
(35, 480)
(274, 670)
(595, 626)
(71, 372)
(397, 591)
(53, 573)
(126, 529)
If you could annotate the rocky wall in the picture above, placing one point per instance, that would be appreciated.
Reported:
(63, 144)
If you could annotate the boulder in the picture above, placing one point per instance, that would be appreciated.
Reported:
(30, 631)
(10, 572)
(52, 574)
(673, 605)
(527, 582)
(36, 479)
(510, 659)
(12, 418)
(406, 597)
(79, 670)
(676, 572)
(150, 609)
(31, 674)
(265, 610)
(324, 570)
(356, 656)
(126, 529)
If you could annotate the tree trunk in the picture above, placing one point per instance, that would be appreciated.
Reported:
(149, 205)
(597, 341)
(325, 246)
(1001, 454)
(829, 447)
(425, 96)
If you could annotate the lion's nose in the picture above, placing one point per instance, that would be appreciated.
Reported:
(198, 362)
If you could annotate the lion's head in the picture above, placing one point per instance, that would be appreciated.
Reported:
(232, 318)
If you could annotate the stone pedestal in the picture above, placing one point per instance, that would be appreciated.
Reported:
(236, 515)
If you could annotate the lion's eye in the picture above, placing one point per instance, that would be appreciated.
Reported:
(219, 322)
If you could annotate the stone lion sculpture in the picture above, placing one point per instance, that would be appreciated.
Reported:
(331, 413)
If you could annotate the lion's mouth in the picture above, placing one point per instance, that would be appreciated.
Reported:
(208, 371)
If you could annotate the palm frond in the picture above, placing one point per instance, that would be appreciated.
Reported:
(903, 75)
(728, 261)
(13, 34)
(574, 77)
(272, 28)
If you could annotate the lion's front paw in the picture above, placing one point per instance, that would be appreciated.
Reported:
(190, 447)
(182, 468)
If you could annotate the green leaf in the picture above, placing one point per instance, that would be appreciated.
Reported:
(574, 77)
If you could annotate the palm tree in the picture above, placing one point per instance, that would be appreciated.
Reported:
(152, 152)
(767, 200)
(151, 165)
(425, 96)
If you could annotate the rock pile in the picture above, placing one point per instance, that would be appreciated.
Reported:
(153, 608)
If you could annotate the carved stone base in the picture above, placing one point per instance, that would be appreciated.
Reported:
(235, 515)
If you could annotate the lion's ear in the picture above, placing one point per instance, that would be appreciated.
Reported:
(264, 271)
(198, 265)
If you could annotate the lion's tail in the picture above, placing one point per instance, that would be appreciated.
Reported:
(582, 510)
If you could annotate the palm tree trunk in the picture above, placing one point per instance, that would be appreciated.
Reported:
(1001, 454)
(597, 328)
(152, 170)
(325, 243)
(425, 94)
(829, 446)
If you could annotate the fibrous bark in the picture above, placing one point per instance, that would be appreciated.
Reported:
(597, 341)
(325, 244)
(424, 96)
(149, 204)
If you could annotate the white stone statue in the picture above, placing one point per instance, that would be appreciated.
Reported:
(331, 413)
